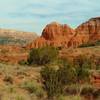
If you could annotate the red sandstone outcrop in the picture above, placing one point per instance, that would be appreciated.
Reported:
(63, 36)
(54, 35)
(86, 32)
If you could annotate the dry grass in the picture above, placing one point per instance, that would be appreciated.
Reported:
(11, 76)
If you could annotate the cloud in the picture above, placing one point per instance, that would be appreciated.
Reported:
(33, 15)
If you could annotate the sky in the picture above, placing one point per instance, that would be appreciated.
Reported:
(34, 15)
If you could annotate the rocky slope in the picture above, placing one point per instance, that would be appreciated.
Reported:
(13, 37)
(58, 35)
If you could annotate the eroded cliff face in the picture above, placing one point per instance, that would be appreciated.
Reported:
(54, 34)
(86, 32)
(58, 35)
(91, 28)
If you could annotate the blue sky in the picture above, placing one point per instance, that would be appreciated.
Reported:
(33, 15)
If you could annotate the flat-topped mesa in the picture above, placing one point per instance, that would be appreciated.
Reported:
(86, 32)
(54, 34)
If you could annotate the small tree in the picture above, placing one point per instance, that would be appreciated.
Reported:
(42, 56)
(54, 80)
(51, 81)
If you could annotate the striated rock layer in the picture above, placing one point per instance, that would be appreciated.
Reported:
(54, 35)
(86, 32)
(58, 35)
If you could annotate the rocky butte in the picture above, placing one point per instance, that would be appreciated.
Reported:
(55, 34)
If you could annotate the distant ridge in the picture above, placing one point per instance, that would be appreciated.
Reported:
(14, 37)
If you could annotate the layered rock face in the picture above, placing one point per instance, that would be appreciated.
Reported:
(86, 32)
(54, 35)
(59, 35)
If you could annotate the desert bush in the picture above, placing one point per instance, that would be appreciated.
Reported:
(87, 45)
(67, 69)
(70, 97)
(19, 98)
(30, 86)
(60, 97)
(8, 79)
(22, 62)
(11, 88)
(83, 60)
(72, 89)
(33, 87)
(98, 43)
(96, 94)
(56, 79)
(82, 67)
(90, 44)
(51, 81)
(87, 90)
(82, 74)
(77, 70)
(42, 56)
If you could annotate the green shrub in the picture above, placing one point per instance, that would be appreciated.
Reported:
(82, 67)
(30, 86)
(22, 62)
(97, 43)
(51, 81)
(19, 98)
(70, 97)
(11, 89)
(61, 97)
(72, 89)
(56, 79)
(82, 74)
(67, 69)
(87, 90)
(39, 92)
(33, 87)
(96, 94)
(87, 45)
(42, 56)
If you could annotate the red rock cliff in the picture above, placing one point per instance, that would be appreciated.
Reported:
(54, 34)
(58, 35)
(86, 32)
